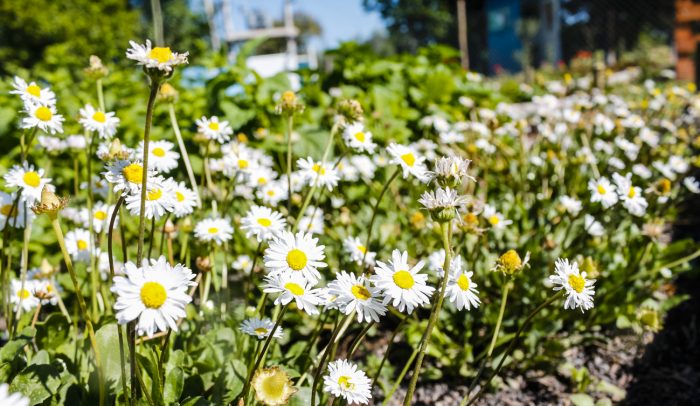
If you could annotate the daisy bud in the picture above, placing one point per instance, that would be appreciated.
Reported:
(186, 225)
(96, 70)
(203, 264)
(351, 110)
(116, 151)
(169, 227)
(511, 263)
(167, 93)
(46, 268)
(49, 203)
(289, 104)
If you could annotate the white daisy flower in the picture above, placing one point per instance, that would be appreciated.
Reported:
(76, 141)
(214, 129)
(44, 118)
(11, 399)
(365, 166)
(32, 94)
(161, 156)
(10, 212)
(30, 181)
(692, 184)
(630, 195)
(440, 200)
(156, 295)
(51, 144)
(260, 328)
(579, 290)
(593, 226)
(496, 219)
(127, 176)
(94, 120)
(293, 286)
(318, 173)
(345, 380)
(401, 284)
(242, 263)
(272, 193)
(312, 221)
(262, 222)
(261, 177)
(185, 199)
(572, 205)
(409, 160)
(357, 251)
(436, 260)
(602, 191)
(78, 244)
(460, 289)
(295, 254)
(218, 230)
(678, 164)
(160, 199)
(354, 293)
(101, 216)
(23, 295)
(161, 58)
(358, 138)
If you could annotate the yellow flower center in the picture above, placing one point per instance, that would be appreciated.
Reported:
(82, 245)
(362, 249)
(494, 220)
(577, 282)
(133, 173)
(296, 259)
(403, 279)
(665, 186)
(262, 181)
(160, 54)
(154, 194)
(463, 282)
(360, 292)
(318, 169)
(294, 288)
(34, 90)
(159, 152)
(273, 386)
(344, 381)
(8, 211)
(242, 163)
(43, 113)
(601, 190)
(214, 126)
(264, 222)
(31, 179)
(99, 117)
(213, 230)
(631, 193)
(409, 159)
(260, 330)
(23, 293)
(511, 260)
(360, 136)
(153, 295)
(100, 215)
(179, 196)
(471, 218)
(270, 193)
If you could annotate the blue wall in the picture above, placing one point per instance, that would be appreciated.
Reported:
(502, 39)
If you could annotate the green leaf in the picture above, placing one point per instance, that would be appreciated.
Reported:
(108, 344)
(581, 399)
(174, 382)
(229, 383)
(52, 332)
(301, 398)
(10, 350)
(37, 382)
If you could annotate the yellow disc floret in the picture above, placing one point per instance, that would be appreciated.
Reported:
(153, 295)
(403, 279)
(296, 259)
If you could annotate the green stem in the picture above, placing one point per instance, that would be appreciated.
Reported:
(157, 22)
(434, 316)
(388, 349)
(24, 266)
(374, 214)
(155, 83)
(359, 338)
(504, 299)
(290, 126)
(183, 152)
(403, 373)
(322, 363)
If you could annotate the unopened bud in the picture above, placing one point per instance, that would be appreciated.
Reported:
(49, 204)
(96, 70)
(289, 104)
(203, 264)
(351, 110)
(167, 93)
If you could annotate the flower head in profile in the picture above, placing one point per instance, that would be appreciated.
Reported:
(218, 230)
(213, 129)
(161, 59)
(443, 204)
(260, 328)
(354, 293)
(345, 380)
(451, 171)
(154, 294)
(273, 387)
(402, 284)
(295, 254)
(105, 124)
(578, 289)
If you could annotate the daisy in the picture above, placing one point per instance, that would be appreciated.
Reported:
(78, 244)
(273, 387)
(495, 219)
(161, 58)
(260, 328)
(364, 165)
(299, 254)
(101, 216)
(155, 295)
(185, 199)
(357, 137)
(183, 274)
(293, 286)
(44, 118)
(161, 156)
(272, 193)
(127, 176)
(33, 94)
(593, 226)
(354, 293)
(23, 295)
(10, 211)
(579, 290)
(159, 200)
(94, 120)
(460, 289)
(263, 223)
(692, 184)
(242, 263)
(318, 173)
(214, 129)
(218, 230)
(29, 180)
(345, 380)
(602, 191)
(630, 195)
(401, 284)
(451, 169)
(312, 222)
(14, 399)
(442, 203)
(357, 251)
(571, 205)
(261, 177)
(436, 260)
(409, 160)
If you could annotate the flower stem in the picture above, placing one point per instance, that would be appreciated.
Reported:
(322, 363)
(374, 214)
(183, 151)
(434, 316)
(290, 126)
(504, 298)
(359, 338)
(155, 83)
(388, 349)
(25, 265)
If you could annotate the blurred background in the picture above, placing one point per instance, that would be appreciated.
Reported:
(493, 36)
